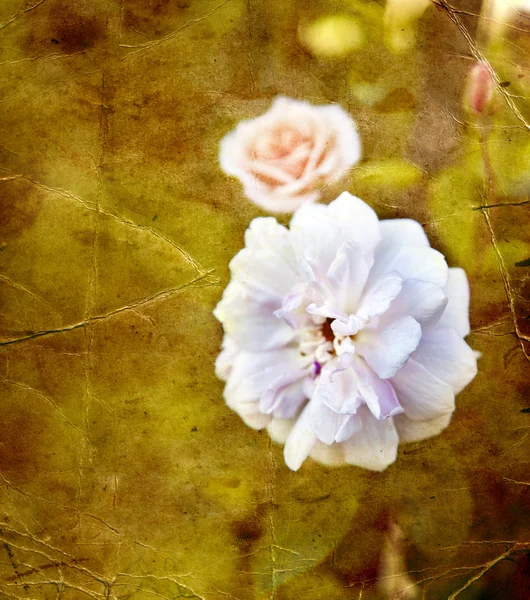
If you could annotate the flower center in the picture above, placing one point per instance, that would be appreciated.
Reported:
(327, 332)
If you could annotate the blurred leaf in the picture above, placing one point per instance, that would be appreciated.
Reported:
(332, 37)
(398, 174)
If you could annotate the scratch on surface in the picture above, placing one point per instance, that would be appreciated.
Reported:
(135, 48)
(20, 14)
(476, 52)
(53, 502)
(41, 395)
(517, 482)
(170, 578)
(94, 207)
(89, 321)
(505, 277)
(484, 570)
(20, 287)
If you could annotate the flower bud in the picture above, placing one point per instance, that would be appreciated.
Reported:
(480, 88)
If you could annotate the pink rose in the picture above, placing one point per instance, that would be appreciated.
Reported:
(283, 156)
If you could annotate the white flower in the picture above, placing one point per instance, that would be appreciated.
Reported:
(344, 334)
(282, 156)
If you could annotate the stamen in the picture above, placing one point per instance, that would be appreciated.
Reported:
(317, 367)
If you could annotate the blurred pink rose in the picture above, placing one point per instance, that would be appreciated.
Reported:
(283, 156)
(480, 88)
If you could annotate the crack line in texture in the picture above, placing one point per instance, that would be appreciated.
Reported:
(160, 295)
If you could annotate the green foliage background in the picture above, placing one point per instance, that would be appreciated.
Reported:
(122, 472)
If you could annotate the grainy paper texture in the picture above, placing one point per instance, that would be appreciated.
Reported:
(122, 472)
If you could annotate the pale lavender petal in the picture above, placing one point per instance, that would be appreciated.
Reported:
(347, 275)
(415, 431)
(422, 394)
(387, 350)
(374, 446)
(456, 314)
(378, 393)
(423, 301)
(447, 356)
(300, 442)
(377, 299)
(338, 389)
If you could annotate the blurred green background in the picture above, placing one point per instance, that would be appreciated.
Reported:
(122, 472)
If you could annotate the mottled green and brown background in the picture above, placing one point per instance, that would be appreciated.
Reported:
(122, 472)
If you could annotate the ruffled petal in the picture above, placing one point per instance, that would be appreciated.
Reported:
(456, 315)
(378, 394)
(322, 230)
(415, 431)
(328, 425)
(253, 372)
(411, 262)
(377, 299)
(402, 232)
(423, 301)
(422, 394)
(223, 363)
(347, 275)
(279, 429)
(267, 264)
(251, 323)
(374, 447)
(338, 390)
(328, 455)
(284, 395)
(387, 350)
(444, 353)
(300, 442)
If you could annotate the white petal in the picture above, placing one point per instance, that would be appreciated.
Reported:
(267, 263)
(456, 315)
(329, 455)
(378, 394)
(325, 423)
(422, 394)
(249, 413)
(337, 389)
(251, 322)
(402, 232)
(359, 221)
(284, 395)
(279, 429)
(252, 372)
(347, 275)
(223, 363)
(349, 427)
(254, 420)
(423, 301)
(445, 354)
(387, 350)
(374, 447)
(299, 443)
(349, 326)
(377, 299)
(324, 229)
(415, 431)
(411, 262)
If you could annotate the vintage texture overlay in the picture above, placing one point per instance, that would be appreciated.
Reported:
(122, 472)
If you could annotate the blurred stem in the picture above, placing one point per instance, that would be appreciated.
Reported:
(490, 182)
